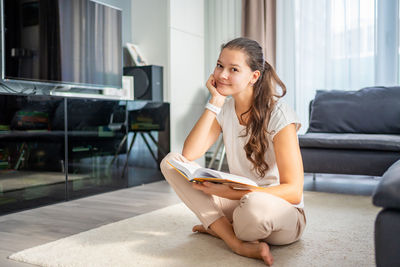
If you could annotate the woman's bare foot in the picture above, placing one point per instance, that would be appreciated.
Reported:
(223, 229)
(265, 254)
(200, 228)
(256, 250)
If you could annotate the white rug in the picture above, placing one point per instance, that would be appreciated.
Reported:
(339, 233)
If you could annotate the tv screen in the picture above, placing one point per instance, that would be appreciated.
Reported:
(72, 42)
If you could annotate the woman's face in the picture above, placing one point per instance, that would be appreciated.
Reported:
(232, 74)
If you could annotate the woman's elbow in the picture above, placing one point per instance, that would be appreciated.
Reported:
(189, 155)
(297, 194)
(190, 152)
(294, 193)
(297, 199)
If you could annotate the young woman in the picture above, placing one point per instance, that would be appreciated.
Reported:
(260, 137)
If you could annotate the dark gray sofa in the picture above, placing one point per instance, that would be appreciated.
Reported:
(387, 223)
(353, 132)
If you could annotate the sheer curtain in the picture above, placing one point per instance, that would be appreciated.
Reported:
(326, 44)
(222, 23)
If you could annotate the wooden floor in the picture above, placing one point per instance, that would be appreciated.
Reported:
(30, 228)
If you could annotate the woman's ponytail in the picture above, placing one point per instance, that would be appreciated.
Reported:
(271, 80)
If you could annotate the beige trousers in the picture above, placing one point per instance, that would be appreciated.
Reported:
(256, 216)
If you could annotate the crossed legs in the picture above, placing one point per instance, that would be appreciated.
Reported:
(243, 225)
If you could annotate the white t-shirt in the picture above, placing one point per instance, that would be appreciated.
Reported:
(281, 116)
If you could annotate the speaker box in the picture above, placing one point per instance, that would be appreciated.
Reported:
(148, 82)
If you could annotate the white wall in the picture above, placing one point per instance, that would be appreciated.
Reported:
(171, 34)
(222, 24)
(187, 94)
(150, 32)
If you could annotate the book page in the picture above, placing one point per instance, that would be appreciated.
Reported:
(218, 176)
(186, 168)
(207, 173)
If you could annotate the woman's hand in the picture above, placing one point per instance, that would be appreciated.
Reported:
(221, 190)
(216, 98)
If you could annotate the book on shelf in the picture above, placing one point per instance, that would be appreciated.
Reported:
(199, 174)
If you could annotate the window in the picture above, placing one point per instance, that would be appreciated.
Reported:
(336, 44)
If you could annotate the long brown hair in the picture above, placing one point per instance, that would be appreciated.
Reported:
(264, 99)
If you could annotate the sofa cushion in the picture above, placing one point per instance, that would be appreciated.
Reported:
(369, 110)
(387, 193)
(385, 142)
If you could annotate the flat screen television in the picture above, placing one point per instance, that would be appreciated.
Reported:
(77, 43)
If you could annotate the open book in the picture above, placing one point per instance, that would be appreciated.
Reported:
(197, 174)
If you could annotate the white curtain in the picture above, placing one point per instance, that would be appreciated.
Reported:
(222, 23)
(328, 44)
